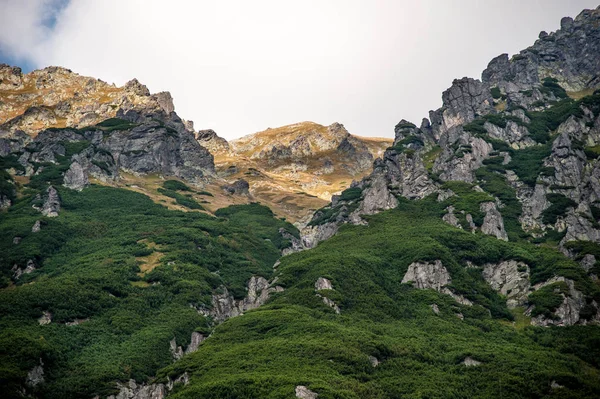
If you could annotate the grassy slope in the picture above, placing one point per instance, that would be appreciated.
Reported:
(88, 265)
(297, 340)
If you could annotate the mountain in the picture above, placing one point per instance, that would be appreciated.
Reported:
(463, 264)
(294, 171)
(296, 167)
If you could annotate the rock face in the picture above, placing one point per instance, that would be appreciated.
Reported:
(556, 55)
(432, 276)
(568, 312)
(128, 129)
(76, 177)
(427, 275)
(463, 101)
(511, 279)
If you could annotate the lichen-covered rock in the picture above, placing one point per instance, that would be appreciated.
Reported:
(377, 197)
(211, 141)
(45, 319)
(303, 392)
(76, 177)
(239, 187)
(37, 226)
(312, 235)
(225, 306)
(427, 275)
(568, 313)
(11, 78)
(451, 218)
(323, 284)
(51, 205)
(470, 362)
(493, 224)
(511, 279)
(35, 376)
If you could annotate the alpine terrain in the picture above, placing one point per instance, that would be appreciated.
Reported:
(143, 259)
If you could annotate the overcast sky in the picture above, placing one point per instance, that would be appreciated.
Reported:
(240, 66)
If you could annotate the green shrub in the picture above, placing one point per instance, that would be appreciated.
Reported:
(547, 299)
(496, 92)
(176, 185)
(351, 194)
(558, 207)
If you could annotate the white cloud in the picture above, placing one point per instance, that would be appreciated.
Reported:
(240, 66)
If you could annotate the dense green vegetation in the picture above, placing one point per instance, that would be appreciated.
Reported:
(90, 264)
(298, 340)
(113, 124)
(559, 204)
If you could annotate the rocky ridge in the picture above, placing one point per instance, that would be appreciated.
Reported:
(102, 130)
(540, 104)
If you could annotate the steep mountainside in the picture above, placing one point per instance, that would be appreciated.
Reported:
(296, 167)
(463, 265)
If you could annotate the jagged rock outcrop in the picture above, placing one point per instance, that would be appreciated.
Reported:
(557, 55)
(324, 284)
(451, 218)
(177, 351)
(225, 306)
(147, 137)
(568, 313)
(11, 78)
(165, 101)
(133, 390)
(427, 275)
(303, 392)
(35, 376)
(312, 235)
(37, 226)
(211, 141)
(432, 276)
(511, 279)
(462, 102)
(493, 224)
(461, 155)
(377, 197)
(76, 177)
(513, 133)
(51, 205)
(238, 187)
